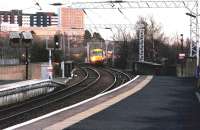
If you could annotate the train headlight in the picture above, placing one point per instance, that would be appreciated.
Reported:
(93, 59)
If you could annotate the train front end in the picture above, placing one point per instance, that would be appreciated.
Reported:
(97, 57)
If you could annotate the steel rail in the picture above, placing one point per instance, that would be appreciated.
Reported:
(116, 79)
(123, 73)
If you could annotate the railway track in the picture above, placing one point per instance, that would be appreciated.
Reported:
(96, 80)
(120, 78)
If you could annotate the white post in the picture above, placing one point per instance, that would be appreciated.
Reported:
(63, 62)
(113, 55)
(88, 52)
(68, 45)
(63, 69)
(50, 62)
(106, 42)
(50, 68)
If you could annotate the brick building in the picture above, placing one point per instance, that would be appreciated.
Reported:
(71, 21)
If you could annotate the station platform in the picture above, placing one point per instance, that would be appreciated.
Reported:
(6, 85)
(9, 85)
(158, 103)
(2, 82)
(166, 103)
(18, 84)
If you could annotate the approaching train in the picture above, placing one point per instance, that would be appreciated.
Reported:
(97, 56)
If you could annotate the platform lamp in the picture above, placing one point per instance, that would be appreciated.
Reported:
(182, 53)
(14, 39)
(113, 47)
(26, 43)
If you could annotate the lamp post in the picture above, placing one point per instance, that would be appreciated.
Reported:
(153, 46)
(25, 38)
(113, 48)
(107, 48)
(182, 53)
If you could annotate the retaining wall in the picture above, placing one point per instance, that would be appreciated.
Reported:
(18, 72)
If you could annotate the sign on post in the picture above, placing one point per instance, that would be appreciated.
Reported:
(50, 72)
(181, 56)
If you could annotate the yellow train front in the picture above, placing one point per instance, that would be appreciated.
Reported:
(97, 56)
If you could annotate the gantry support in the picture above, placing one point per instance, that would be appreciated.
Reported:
(141, 43)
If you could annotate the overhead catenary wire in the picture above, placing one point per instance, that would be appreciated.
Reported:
(125, 17)
(84, 11)
(104, 26)
(36, 3)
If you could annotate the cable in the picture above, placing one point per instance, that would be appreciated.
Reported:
(124, 16)
(37, 4)
(84, 11)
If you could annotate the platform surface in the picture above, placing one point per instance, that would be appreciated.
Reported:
(7, 85)
(2, 82)
(14, 85)
(167, 103)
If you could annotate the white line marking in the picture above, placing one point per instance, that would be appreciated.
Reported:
(67, 108)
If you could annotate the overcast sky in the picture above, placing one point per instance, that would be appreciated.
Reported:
(173, 21)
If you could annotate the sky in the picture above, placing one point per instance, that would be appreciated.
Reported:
(173, 21)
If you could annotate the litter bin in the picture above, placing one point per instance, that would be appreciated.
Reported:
(69, 66)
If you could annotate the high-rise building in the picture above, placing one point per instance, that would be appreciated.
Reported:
(12, 17)
(71, 21)
(26, 20)
(43, 19)
(39, 19)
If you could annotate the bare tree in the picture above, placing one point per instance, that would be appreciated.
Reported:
(122, 41)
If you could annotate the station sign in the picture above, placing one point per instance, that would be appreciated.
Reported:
(50, 71)
(181, 56)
